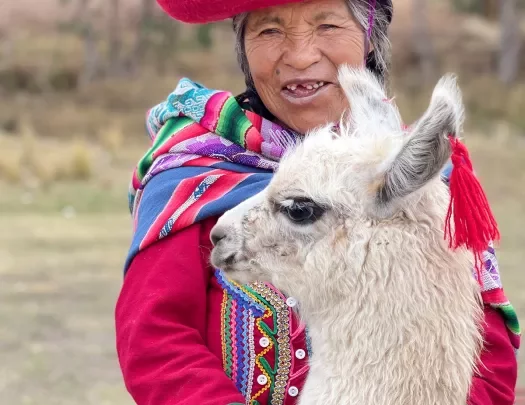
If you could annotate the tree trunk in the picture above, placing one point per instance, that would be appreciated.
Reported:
(422, 42)
(7, 49)
(91, 57)
(491, 9)
(115, 42)
(510, 41)
(141, 37)
(166, 48)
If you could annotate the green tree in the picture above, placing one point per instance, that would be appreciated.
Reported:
(204, 36)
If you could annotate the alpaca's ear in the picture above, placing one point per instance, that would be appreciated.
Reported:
(428, 148)
(370, 109)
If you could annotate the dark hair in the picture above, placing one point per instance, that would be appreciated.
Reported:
(250, 100)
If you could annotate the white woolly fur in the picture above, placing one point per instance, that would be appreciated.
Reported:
(394, 313)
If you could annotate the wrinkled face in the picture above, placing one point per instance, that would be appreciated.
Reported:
(323, 203)
(293, 53)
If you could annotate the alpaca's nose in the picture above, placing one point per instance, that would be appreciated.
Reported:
(217, 234)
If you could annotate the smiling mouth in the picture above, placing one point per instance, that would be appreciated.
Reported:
(298, 92)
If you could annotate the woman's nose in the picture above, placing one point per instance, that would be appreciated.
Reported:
(301, 53)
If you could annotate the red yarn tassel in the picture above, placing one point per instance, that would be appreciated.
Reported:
(474, 223)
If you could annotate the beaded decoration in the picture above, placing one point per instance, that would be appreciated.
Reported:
(245, 308)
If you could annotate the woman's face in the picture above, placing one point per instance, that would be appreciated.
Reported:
(293, 54)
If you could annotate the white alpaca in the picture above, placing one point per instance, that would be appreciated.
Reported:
(352, 226)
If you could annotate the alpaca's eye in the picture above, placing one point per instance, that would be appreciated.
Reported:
(301, 212)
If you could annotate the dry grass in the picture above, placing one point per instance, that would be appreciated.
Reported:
(34, 161)
(112, 138)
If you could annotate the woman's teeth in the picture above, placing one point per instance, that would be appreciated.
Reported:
(309, 86)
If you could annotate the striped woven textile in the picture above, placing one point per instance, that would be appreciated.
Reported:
(207, 155)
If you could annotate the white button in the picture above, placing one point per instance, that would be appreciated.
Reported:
(264, 342)
(293, 391)
(291, 302)
(262, 380)
(300, 354)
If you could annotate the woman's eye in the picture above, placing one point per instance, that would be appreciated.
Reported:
(269, 31)
(302, 212)
(328, 27)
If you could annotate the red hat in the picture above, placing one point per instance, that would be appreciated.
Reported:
(206, 11)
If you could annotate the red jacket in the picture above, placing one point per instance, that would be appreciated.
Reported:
(170, 333)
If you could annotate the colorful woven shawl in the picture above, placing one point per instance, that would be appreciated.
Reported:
(208, 155)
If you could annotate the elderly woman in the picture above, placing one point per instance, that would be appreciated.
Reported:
(185, 335)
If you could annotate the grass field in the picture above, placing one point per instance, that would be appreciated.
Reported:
(61, 253)
(58, 281)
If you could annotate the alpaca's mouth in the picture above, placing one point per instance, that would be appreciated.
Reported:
(225, 258)
(228, 261)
